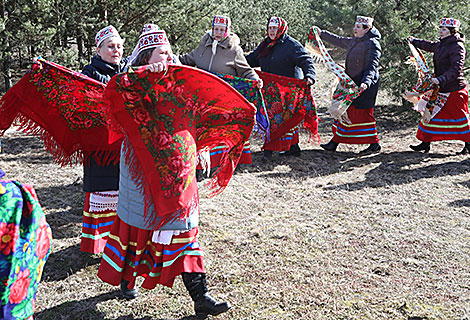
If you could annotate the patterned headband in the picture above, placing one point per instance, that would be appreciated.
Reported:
(365, 20)
(449, 22)
(152, 36)
(273, 22)
(106, 33)
(221, 21)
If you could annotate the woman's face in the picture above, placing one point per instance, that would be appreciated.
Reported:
(161, 54)
(111, 50)
(359, 31)
(272, 31)
(219, 32)
(443, 32)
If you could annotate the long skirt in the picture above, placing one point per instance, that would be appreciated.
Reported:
(285, 142)
(450, 123)
(130, 252)
(98, 216)
(362, 129)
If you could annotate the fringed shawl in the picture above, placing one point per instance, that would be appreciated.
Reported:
(170, 118)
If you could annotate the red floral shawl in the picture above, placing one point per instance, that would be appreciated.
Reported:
(169, 118)
(288, 102)
(65, 109)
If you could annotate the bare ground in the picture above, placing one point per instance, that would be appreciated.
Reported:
(323, 236)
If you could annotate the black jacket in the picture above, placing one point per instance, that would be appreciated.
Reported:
(362, 62)
(287, 58)
(96, 177)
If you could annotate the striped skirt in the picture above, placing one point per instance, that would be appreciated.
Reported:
(130, 252)
(450, 123)
(361, 131)
(285, 142)
(98, 216)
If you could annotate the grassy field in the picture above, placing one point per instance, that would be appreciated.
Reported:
(323, 236)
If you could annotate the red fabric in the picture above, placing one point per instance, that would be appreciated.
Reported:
(284, 143)
(131, 251)
(65, 109)
(362, 131)
(95, 227)
(288, 102)
(450, 123)
(163, 116)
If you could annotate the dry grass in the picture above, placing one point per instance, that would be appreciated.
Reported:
(324, 236)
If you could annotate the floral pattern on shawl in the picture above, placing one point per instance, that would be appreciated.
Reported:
(25, 239)
(169, 119)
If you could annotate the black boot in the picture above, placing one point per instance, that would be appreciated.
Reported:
(129, 294)
(466, 149)
(204, 304)
(423, 146)
(372, 148)
(267, 155)
(330, 146)
(294, 151)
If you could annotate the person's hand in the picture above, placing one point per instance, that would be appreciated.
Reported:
(259, 85)
(434, 80)
(410, 38)
(157, 67)
(363, 87)
(310, 81)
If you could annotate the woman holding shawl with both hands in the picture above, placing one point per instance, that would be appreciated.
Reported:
(282, 55)
(451, 121)
(363, 53)
(157, 251)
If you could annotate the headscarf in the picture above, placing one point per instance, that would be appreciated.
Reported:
(266, 46)
(222, 21)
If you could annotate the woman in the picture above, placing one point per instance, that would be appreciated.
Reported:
(363, 54)
(451, 122)
(219, 51)
(101, 182)
(136, 249)
(282, 55)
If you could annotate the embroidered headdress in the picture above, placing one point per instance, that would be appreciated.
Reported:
(365, 20)
(449, 22)
(273, 22)
(152, 36)
(106, 33)
(222, 21)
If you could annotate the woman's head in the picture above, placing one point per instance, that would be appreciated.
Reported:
(220, 27)
(109, 45)
(276, 28)
(448, 26)
(362, 26)
(153, 47)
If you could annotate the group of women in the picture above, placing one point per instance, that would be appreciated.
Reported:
(115, 216)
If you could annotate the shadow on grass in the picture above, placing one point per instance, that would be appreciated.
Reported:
(61, 264)
(460, 203)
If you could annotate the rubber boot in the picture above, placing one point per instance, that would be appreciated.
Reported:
(129, 294)
(423, 146)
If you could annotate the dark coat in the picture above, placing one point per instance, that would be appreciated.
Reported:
(449, 59)
(362, 62)
(287, 58)
(96, 177)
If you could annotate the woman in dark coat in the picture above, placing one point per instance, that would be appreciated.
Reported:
(101, 182)
(281, 54)
(451, 121)
(363, 53)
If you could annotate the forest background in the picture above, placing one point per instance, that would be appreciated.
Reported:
(63, 30)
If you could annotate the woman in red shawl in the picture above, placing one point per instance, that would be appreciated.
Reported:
(135, 248)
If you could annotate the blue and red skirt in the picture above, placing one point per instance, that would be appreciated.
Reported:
(285, 142)
(450, 123)
(130, 252)
(362, 129)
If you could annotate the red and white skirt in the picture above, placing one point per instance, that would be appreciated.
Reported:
(98, 216)
(450, 123)
(362, 129)
(130, 252)
(285, 142)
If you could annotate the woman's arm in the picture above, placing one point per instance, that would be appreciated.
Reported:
(304, 60)
(252, 58)
(242, 67)
(425, 45)
(335, 40)
(373, 55)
